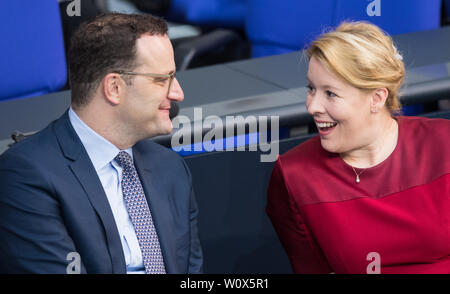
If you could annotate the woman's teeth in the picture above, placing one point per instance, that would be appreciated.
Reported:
(326, 125)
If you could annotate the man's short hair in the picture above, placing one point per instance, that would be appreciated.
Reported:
(106, 44)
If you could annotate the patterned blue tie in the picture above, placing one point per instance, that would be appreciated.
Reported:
(138, 209)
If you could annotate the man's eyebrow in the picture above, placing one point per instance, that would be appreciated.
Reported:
(169, 73)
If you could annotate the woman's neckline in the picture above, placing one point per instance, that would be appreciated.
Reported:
(387, 159)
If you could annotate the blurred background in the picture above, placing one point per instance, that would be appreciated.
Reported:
(233, 57)
(203, 32)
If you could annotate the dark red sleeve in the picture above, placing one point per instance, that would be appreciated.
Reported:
(304, 254)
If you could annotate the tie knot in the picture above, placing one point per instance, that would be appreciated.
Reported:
(124, 159)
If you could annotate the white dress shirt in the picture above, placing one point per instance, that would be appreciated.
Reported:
(102, 154)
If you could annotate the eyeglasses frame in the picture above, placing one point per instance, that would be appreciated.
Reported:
(171, 76)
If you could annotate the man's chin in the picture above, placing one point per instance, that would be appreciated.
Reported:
(168, 130)
(168, 126)
(160, 130)
(165, 128)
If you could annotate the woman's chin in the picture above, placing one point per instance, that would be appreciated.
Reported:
(329, 146)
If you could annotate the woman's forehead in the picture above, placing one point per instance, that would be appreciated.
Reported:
(318, 74)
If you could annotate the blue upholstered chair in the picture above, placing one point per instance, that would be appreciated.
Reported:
(32, 58)
(213, 13)
(276, 27)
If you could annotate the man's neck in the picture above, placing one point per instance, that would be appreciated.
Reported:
(105, 127)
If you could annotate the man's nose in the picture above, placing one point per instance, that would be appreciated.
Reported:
(175, 91)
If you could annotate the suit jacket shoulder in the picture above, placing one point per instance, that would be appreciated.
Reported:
(52, 203)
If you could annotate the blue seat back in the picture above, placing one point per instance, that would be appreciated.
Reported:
(395, 17)
(32, 57)
(214, 13)
(276, 27)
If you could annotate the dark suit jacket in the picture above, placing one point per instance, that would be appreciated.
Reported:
(53, 203)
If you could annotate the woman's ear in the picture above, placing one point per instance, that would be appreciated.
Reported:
(378, 99)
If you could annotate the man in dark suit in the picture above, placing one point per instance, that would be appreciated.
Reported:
(88, 193)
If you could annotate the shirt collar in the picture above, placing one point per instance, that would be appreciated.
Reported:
(100, 151)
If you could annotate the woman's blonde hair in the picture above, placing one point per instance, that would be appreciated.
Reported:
(361, 54)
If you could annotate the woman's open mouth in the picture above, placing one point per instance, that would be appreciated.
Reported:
(325, 128)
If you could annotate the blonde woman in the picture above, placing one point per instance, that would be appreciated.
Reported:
(371, 192)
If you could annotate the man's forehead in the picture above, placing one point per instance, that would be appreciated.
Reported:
(155, 50)
(148, 37)
(151, 45)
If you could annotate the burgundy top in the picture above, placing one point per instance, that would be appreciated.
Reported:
(399, 211)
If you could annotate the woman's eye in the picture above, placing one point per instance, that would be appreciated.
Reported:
(330, 94)
(310, 88)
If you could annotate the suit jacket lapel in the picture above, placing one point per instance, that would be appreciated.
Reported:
(84, 171)
(159, 203)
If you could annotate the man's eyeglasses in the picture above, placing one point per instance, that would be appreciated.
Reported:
(157, 77)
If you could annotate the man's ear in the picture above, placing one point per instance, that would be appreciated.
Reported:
(378, 99)
(113, 88)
